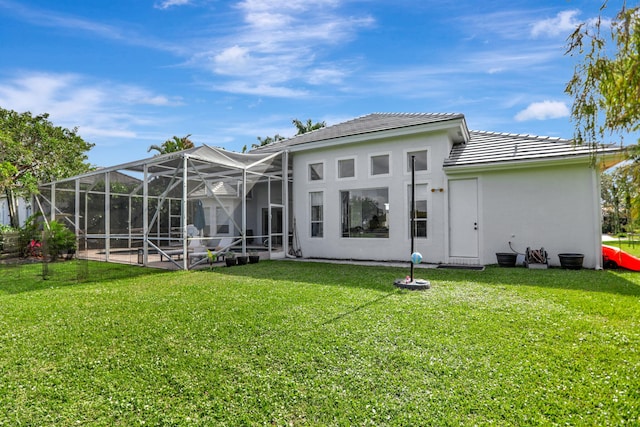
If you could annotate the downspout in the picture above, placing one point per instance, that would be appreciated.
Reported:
(597, 217)
(285, 198)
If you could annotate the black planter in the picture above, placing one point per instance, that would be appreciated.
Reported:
(506, 259)
(571, 261)
(242, 260)
(230, 261)
(254, 259)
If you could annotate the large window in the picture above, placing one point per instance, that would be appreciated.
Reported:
(421, 160)
(365, 213)
(380, 164)
(420, 222)
(317, 216)
(316, 171)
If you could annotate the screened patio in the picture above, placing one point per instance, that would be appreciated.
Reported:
(173, 210)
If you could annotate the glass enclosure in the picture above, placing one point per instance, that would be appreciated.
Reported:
(173, 210)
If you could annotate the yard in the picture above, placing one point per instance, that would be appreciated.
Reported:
(292, 343)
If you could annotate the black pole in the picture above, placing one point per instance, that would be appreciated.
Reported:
(413, 208)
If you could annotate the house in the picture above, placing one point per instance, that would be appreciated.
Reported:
(344, 192)
(476, 193)
(23, 206)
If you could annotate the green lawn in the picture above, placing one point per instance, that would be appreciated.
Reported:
(287, 343)
(631, 247)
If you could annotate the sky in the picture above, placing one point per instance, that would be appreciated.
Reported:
(131, 74)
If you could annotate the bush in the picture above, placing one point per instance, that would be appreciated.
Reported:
(30, 232)
(59, 239)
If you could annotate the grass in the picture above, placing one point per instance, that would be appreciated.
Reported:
(630, 247)
(288, 343)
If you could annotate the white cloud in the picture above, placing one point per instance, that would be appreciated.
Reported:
(165, 4)
(232, 60)
(563, 23)
(280, 46)
(247, 88)
(543, 110)
(97, 108)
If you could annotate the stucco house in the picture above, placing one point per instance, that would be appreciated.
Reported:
(475, 191)
(343, 192)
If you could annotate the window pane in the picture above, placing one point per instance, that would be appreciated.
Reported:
(421, 160)
(316, 229)
(380, 165)
(364, 213)
(420, 221)
(316, 172)
(346, 168)
(317, 224)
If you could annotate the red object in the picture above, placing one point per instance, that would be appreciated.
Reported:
(615, 257)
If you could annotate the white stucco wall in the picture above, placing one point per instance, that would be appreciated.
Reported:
(550, 207)
(397, 246)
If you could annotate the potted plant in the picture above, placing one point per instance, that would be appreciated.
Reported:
(254, 258)
(571, 261)
(230, 258)
(506, 259)
(242, 259)
(213, 257)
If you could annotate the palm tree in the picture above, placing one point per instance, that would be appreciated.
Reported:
(172, 145)
(308, 126)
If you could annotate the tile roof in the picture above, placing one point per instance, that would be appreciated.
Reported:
(362, 125)
(486, 148)
(482, 148)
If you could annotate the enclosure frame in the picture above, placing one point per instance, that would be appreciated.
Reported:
(163, 197)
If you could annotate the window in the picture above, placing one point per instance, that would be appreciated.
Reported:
(316, 171)
(420, 222)
(365, 213)
(346, 168)
(380, 165)
(421, 160)
(317, 217)
(222, 221)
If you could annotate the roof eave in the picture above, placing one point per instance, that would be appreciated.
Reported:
(604, 160)
(461, 135)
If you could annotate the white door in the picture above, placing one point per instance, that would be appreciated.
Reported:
(463, 218)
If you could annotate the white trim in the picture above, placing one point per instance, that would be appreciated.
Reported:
(370, 166)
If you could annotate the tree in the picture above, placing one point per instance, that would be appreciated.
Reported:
(620, 194)
(172, 145)
(33, 150)
(605, 85)
(308, 126)
(300, 126)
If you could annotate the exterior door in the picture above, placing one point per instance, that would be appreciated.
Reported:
(463, 218)
(273, 228)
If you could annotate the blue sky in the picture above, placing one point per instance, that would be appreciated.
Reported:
(130, 74)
